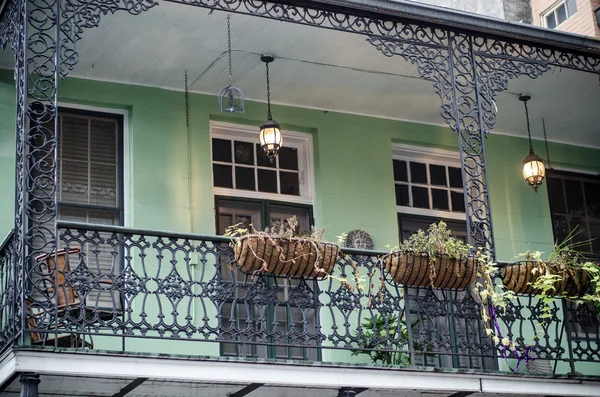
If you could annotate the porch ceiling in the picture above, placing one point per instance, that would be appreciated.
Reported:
(72, 386)
(156, 47)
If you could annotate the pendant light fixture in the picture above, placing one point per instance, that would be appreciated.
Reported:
(231, 99)
(271, 139)
(533, 165)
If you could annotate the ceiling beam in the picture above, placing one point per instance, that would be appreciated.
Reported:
(461, 394)
(351, 391)
(135, 383)
(246, 390)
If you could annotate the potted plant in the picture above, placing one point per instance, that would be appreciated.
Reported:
(433, 258)
(282, 251)
(565, 274)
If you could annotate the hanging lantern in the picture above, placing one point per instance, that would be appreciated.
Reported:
(271, 139)
(533, 165)
(231, 99)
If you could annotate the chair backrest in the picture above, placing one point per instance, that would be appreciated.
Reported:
(58, 266)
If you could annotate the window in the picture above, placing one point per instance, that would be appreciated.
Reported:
(559, 13)
(428, 185)
(249, 189)
(89, 168)
(575, 208)
(242, 320)
(90, 184)
(429, 188)
(241, 168)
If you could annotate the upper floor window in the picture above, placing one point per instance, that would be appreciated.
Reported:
(575, 208)
(241, 168)
(428, 182)
(559, 13)
(89, 167)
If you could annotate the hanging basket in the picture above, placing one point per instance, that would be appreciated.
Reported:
(518, 277)
(293, 257)
(415, 270)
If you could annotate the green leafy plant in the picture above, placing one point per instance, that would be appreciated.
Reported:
(565, 264)
(378, 331)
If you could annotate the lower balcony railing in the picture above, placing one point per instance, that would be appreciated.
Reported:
(120, 289)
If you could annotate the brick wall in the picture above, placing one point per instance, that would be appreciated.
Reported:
(582, 22)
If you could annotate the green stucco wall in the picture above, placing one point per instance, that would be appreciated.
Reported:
(352, 162)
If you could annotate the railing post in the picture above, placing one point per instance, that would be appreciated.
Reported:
(411, 347)
(568, 329)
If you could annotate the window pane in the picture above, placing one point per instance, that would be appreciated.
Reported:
(418, 173)
(420, 197)
(74, 139)
(440, 199)
(103, 189)
(458, 202)
(402, 195)
(280, 213)
(556, 196)
(550, 22)
(561, 14)
(222, 176)
(455, 177)
(581, 234)
(400, 173)
(267, 181)
(261, 158)
(571, 7)
(288, 158)
(437, 173)
(221, 150)
(244, 178)
(103, 141)
(243, 153)
(574, 197)
(560, 226)
(74, 182)
(289, 183)
(592, 199)
(595, 235)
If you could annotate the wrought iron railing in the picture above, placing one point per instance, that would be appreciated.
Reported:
(8, 296)
(114, 288)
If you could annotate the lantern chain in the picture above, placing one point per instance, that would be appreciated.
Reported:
(229, 48)
(546, 142)
(187, 103)
(268, 94)
(528, 127)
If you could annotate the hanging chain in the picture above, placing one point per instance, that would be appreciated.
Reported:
(187, 103)
(268, 94)
(229, 47)
(546, 142)
(528, 128)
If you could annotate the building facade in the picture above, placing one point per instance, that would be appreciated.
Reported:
(121, 176)
(574, 16)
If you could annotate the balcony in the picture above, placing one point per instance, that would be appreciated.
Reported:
(185, 291)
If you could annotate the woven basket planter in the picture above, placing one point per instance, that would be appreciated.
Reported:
(414, 270)
(518, 277)
(293, 257)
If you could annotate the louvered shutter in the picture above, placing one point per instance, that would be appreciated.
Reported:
(89, 189)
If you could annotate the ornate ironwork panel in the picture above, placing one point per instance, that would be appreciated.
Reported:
(8, 292)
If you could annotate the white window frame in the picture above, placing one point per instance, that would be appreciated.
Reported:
(427, 156)
(552, 10)
(299, 140)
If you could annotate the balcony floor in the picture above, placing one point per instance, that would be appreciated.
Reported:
(95, 373)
